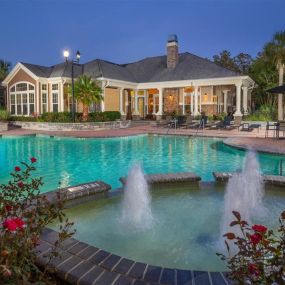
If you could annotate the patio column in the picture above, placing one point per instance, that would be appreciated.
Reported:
(160, 102)
(238, 100)
(225, 100)
(183, 102)
(121, 101)
(192, 103)
(136, 101)
(146, 102)
(196, 112)
(103, 102)
(244, 99)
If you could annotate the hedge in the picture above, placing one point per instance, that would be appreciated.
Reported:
(66, 117)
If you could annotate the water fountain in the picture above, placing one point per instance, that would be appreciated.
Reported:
(244, 193)
(136, 206)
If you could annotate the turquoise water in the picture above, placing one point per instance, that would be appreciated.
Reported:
(70, 161)
(186, 232)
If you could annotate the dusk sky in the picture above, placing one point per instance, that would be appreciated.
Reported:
(122, 31)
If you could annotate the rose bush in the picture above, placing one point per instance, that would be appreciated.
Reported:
(24, 213)
(260, 255)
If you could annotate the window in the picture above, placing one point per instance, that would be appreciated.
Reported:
(25, 104)
(187, 103)
(55, 102)
(22, 87)
(13, 104)
(22, 99)
(54, 86)
(44, 87)
(32, 103)
(44, 102)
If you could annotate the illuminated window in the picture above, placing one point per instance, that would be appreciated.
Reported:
(22, 99)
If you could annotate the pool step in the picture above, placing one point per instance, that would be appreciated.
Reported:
(168, 178)
(78, 192)
(268, 179)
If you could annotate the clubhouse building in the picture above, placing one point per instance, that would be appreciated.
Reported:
(175, 82)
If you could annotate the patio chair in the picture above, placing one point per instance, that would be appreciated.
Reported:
(271, 126)
(237, 122)
(181, 120)
(281, 128)
(188, 123)
(246, 127)
(165, 122)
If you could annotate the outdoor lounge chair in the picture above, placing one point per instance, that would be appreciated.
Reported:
(246, 127)
(165, 122)
(188, 123)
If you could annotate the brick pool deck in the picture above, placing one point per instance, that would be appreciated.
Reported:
(244, 140)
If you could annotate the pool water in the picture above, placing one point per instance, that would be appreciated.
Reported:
(186, 232)
(69, 161)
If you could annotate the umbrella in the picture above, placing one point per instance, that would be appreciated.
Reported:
(278, 89)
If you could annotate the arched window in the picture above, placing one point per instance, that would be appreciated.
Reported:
(22, 99)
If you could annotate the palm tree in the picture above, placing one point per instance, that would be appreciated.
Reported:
(275, 51)
(87, 91)
(4, 69)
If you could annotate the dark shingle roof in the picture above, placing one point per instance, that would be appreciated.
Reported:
(152, 69)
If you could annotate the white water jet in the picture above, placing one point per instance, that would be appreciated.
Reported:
(136, 206)
(244, 193)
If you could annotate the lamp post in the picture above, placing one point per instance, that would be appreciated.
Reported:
(73, 62)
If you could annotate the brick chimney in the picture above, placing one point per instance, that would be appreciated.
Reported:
(172, 51)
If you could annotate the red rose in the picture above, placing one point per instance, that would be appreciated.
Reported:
(33, 159)
(8, 208)
(17, 168)
(255, 238)
(253, 269)
(10, 225)
(20, 223)
(20, 184)
(259, 228)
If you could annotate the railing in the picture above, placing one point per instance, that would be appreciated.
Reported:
(281, 167)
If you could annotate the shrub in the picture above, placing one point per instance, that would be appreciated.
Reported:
(4, 115)
(66, 117)
(265, 113)
(24, 213)
(24, 119)
(112, 115)
(260, 257)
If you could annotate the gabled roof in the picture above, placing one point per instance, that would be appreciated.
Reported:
(152, 69)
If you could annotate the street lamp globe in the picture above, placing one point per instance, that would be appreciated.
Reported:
(66, 54)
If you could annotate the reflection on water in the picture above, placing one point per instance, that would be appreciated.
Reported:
(72, 161)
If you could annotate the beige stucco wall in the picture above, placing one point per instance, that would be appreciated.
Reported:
(112, 99)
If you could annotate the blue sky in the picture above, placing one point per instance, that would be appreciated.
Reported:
(122, 31)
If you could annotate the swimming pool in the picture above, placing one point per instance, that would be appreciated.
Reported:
(70, 161)
(187, 229)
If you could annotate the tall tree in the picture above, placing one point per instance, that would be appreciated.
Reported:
(275, 52)
(4, 69)
(87, 91)
(264, 75)
(224, 59)
(243, 62)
